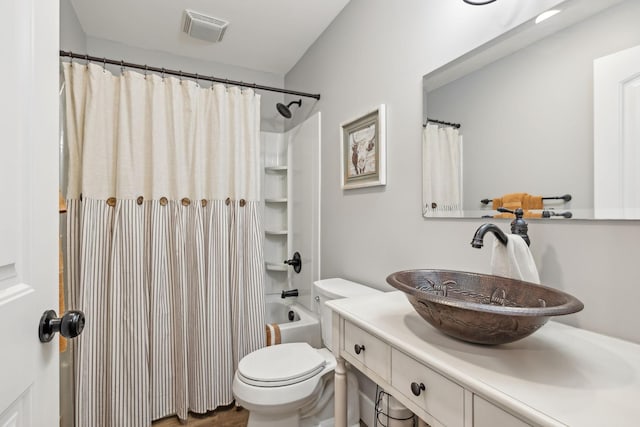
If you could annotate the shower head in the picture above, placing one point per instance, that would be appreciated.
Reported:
(285, 111)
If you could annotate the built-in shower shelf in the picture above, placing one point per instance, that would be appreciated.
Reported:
(275, 194)
(276, 232)
(272, 266)
(276, 168)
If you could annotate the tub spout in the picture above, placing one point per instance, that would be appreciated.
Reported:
(289, 293)
(478, 238)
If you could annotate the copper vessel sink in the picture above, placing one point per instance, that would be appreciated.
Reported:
(481, 308)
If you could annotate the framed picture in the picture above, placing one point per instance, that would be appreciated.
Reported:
(362, 147)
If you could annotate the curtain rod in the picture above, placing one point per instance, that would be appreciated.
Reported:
(123, 64)
(440, 122)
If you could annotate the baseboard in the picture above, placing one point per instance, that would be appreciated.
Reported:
(367, 409)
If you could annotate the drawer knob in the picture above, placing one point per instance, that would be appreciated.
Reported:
(358, 348)
(416, 388)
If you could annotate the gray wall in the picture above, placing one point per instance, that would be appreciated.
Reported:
(376, 52)
(72, 36)
(528, 118)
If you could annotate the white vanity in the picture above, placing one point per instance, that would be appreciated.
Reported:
(559, 376)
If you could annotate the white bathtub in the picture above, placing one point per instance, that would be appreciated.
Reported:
(304, 326)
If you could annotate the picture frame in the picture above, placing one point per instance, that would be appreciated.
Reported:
(363, 150)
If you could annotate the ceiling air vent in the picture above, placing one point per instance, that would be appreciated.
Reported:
(204, 27)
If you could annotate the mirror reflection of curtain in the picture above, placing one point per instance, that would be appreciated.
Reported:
(164, 242)
(442, 169)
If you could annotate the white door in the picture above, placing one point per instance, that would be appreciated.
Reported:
(28, 210)
(304, 203)
(617, 134)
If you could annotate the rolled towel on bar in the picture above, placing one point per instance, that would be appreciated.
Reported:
(509, 201)
(514, 260)
(518, 200)
(273, 334)
(532, 202)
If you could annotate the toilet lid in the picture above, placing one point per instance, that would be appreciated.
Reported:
(281, 365)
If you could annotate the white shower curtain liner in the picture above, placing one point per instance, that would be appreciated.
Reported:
(164, 242)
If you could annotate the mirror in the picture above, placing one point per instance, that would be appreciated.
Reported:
(525, 105)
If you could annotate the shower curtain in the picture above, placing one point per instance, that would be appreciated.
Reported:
(442, 171)
(164, 242)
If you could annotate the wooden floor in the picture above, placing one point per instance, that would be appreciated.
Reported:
(231, 416)
(221, 417)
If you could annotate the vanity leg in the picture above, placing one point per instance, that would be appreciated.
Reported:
(341, 393)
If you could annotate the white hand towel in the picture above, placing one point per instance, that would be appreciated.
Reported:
(514, 260)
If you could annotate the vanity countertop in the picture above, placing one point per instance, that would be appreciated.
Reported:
(560, 375)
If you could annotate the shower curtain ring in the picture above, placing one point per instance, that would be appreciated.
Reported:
(145, 71)
(121, 66)
(197, 83)
(180, 76)
(163, 70)
(104, 64)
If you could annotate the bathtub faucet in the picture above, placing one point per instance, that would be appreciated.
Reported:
(290, 293)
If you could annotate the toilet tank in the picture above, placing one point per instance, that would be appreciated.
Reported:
(330, 289)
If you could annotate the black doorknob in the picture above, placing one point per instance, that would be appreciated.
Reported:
(70, 325)
(358, 348)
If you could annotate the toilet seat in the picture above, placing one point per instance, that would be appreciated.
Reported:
(287, 364)
(282, 398)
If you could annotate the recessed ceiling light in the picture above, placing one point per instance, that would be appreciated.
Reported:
(478, 2)
(546, 15)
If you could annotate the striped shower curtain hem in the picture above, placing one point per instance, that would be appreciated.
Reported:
(173, 297)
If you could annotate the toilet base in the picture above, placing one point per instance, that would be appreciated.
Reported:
(319, 412)
(323, 412)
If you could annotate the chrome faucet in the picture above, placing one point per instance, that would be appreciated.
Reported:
(518, 226)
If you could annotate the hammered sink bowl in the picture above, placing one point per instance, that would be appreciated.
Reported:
(481, 308)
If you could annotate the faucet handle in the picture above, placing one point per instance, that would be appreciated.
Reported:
(518, 226)
(295, 262)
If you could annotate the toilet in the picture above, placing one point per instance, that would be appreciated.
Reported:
(291, 385)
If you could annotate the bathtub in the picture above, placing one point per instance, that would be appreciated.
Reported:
(296, 323)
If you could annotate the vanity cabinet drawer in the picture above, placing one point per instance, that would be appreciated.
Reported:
(441, 398)
(373, 354)
(486, 414)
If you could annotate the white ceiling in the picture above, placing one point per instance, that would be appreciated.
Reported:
(264, 35)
